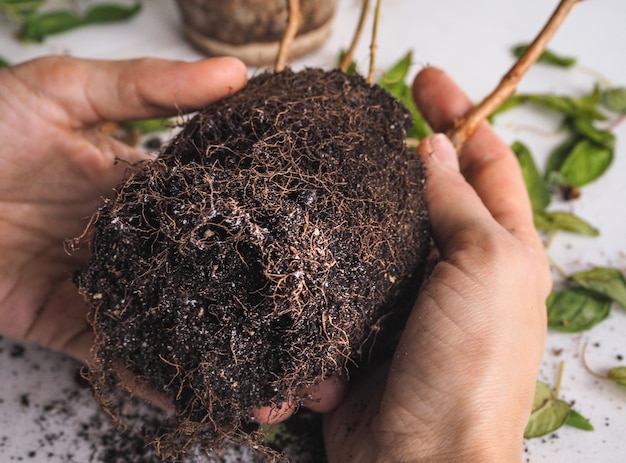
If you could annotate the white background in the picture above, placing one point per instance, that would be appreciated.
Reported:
(471, 40)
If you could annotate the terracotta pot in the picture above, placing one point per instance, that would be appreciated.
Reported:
(252, 29)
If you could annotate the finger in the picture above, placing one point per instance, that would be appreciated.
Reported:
(485, 160)
(325, 396)
(453, 205)
(322, 397)
(91, 91)
(273, 415)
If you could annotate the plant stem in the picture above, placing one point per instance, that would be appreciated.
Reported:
(374, 44)
(348, 58)
(294, 21)
(559, 378)
(465, 126)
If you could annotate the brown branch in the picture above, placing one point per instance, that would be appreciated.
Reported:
(348, 58)
(464, 127)
(294, 22)
(374, 44)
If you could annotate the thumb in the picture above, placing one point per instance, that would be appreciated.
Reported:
(90, 91)
(453, 205)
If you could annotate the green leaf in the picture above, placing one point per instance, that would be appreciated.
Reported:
(351, 68)
(547, 57)
(3, 63)
(618, 375)
(551, 222)
(537, 188)
(586, 129)
(420, 127)
(556, 159)
(109, 12)
(20, 9)
(548, 418)
(508, 104)
(147, 126)
(614, 99)
(543, 393)
(398, 72)
(586, 163)
(605, 281)
(38, 26)
(585, 107)
(394, 82)
(576, 420)
(576, 309)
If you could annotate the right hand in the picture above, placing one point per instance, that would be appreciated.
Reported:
(461, 383)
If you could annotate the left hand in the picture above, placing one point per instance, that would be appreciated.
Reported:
(55, 166)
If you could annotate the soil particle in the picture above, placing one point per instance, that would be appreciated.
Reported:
(273, 240)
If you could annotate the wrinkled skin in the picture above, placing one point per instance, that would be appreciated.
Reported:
(460, 386)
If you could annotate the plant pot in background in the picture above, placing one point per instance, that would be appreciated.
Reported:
(251, 29)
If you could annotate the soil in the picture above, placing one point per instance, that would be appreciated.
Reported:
(278, 236)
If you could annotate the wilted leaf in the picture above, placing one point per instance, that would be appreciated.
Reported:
(535, 184)
(576, 309)
(550, 222)
(608, 282)
(547, 57)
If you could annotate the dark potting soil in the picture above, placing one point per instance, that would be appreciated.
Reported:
(267, 247)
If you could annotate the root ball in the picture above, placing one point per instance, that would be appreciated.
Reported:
(260, 252)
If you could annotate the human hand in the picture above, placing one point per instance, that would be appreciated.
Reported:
(55, 166)
(461, 383)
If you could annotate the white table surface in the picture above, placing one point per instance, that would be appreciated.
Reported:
(471, 40)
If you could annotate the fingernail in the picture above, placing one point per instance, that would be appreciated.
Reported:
(439, 148)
